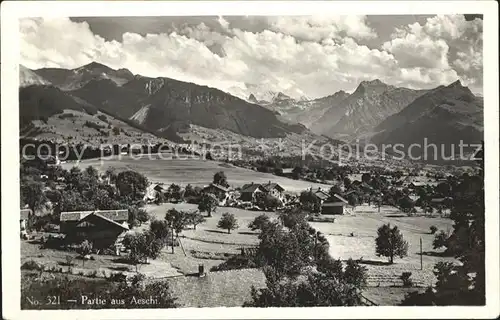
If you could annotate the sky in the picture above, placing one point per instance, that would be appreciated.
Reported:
(302, 56)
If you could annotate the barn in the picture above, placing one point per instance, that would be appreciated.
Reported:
(334, 205)
(104, 229)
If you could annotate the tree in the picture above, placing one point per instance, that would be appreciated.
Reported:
(259, 223)
(406, 204)
(142, 246)
(353, 199)
(335, 190)
(366, 177)
(390, 243)
(85, 249)
(228, 222)
(189, 191)
(177, 220)
(174, 191)
(220, 179)
(208, 203)
(110, 174)
(316, 289)
(131, 185)
(32, 194)
(267, 201)
(161, 230)
(195, 218)
(310, 201)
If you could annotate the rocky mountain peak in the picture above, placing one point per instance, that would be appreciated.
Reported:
(252, 98)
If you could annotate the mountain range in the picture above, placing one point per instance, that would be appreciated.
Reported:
(158, 104)
(374, 111)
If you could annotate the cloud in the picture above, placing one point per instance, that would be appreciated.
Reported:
(451, 45)
(312, 56)
(317, 28)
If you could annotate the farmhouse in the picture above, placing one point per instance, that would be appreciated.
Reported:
(274, 190)
(334, 205)
(219, 191)
(103, 228)
(249, 191)
(24, 218)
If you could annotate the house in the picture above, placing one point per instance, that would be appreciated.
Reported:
(24, 218)
(218, 190)
(104, 229)
(274, 190)
(249, 191)
(321, 194)
(334, 205)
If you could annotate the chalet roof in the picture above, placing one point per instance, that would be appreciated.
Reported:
(115, 215)
(159, 187)
(336, 198)
(217, 289)
(217, 186)
(25, 213)
(322, 194)
(273, 185)
(103, 217)
(251, 187)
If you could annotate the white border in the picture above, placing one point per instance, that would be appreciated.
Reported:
(12, 10)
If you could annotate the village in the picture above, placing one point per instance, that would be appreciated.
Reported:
(204, 240)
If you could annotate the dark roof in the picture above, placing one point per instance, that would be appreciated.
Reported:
(217, 186)
(336, 198)
(25, 213)
(115, 215)
(159, 187)
(103, 217)
(229, 288)
(273, 185)
(251, 187)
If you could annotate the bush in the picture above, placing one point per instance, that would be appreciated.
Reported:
(236, 262)
(117, 277)
(93, 125)
(433, 229)
(406, 278)
(66, 116)
(228, 222)
(32, 265)
(259, 222)
(102, 118)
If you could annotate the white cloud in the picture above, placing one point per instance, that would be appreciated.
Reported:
(295, 55)
(449, 45)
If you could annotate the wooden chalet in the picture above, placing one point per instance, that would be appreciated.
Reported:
(219, 191)
(249, 191)
(334, 205)
(274, 190)
(104, 229)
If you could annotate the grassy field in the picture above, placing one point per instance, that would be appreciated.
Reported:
(364, 224)
(210, 246)
(196, 172)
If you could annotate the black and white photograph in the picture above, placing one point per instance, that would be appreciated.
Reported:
(175, 158)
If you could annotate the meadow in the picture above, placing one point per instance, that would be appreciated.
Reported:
(197, 172)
